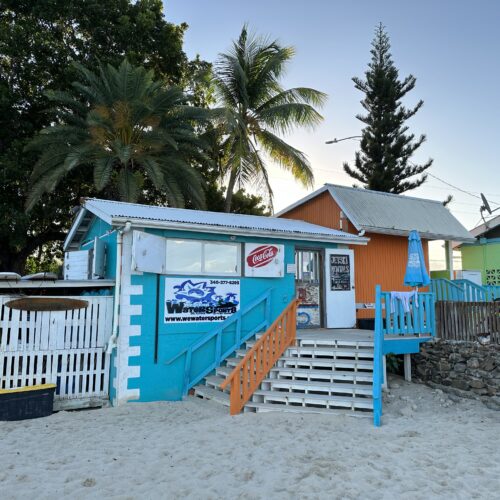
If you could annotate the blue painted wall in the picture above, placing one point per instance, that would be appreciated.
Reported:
(159, 381)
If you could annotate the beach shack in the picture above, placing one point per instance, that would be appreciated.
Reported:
(386, 219)
(481, 257)
(192, 286)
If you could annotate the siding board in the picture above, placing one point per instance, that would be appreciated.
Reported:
(381, 262)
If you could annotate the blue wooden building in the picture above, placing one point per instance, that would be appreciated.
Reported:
(184, 275)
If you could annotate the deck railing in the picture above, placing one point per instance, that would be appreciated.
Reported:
(391, 319)
(444, 289)
(258, 361)
(217, 334)
(463, 290)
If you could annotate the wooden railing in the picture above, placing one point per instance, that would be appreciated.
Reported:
(391, 320)
(467, 321)
(444, 289)
(221, 350)
(257, 363)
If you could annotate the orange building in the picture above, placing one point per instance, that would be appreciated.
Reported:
(386, 219)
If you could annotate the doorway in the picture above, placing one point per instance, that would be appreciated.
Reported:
(308, 287)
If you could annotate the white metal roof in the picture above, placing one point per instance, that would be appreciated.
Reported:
(118, 213)
(486, 226)
(386, 213)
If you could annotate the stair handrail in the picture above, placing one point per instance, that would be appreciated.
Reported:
(492, 292)
(247, 376)
(445, 289)
(473, 292)
(217, 332)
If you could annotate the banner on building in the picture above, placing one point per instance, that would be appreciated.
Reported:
(189, 300)
(264, 261)
(340, 272)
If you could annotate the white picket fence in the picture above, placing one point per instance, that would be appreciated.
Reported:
(63, 347)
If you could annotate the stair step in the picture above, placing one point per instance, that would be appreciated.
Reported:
(206, 392)
(298, 362)
(215, 381)
(270, 407)
(338, 343)
(312, 400)
(333, 352)
(311, 374)
(326, 388)
(232, 361)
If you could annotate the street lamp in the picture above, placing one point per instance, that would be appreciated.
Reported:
(335, 140)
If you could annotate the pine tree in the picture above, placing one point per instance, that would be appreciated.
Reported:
(384, 162)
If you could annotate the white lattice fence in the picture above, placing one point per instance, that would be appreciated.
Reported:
(63, 347)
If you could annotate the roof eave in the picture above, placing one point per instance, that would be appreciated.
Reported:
(424, 235)
(178, 226)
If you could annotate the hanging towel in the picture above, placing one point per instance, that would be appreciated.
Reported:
(404, 298)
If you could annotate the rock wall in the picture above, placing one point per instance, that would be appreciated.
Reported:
(467, 369)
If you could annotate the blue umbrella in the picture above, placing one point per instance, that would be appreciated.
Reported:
(416, 273)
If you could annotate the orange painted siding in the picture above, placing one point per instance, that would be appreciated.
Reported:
(381, 262)
(323, 211)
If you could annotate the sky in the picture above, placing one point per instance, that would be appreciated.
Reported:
(452, 47)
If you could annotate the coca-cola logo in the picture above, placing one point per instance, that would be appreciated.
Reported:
(261, 256)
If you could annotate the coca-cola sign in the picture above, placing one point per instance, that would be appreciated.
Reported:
(261, 256)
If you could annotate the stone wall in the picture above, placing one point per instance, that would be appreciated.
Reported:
(467, 369)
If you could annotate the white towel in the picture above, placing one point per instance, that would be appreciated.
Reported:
(405, 298)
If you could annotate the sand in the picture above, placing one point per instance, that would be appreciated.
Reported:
(428, 447)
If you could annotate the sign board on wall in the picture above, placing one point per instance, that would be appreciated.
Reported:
(264, 261)
(340, 272)
(190, 300)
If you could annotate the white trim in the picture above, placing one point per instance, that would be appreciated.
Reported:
(74, 227)
(422, 234)
(285, 235)
(4, 284)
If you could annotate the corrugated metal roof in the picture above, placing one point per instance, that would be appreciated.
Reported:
(384, 212)
(486, 226)
(114, 212)
(397, 214)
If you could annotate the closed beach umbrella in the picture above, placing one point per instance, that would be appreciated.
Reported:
(416, 273)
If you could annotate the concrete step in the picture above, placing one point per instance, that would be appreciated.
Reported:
(215, 381)
(338, 343)
(330, 352)
(312, 400)
(205, 392)
(312, 374)
(325, 388)
(332, 364)
(252, 406)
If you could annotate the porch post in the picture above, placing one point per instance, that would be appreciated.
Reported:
(407, 367)
(449, 257)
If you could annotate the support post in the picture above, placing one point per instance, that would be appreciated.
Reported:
(407, 366)
(449, 257)
(384, 371)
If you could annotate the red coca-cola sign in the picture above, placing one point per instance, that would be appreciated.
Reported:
(261, 256)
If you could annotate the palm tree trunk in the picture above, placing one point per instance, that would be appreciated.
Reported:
(229, 192)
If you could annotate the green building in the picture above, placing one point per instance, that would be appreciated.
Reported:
(484, 254)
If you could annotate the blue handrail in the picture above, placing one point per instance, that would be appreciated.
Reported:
(492, 292)
(392, 320)
(217, 332)
(445, 289)
(472, 291)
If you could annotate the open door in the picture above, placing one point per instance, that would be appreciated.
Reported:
(340, 301)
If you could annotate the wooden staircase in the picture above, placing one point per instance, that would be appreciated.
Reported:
(317, 375)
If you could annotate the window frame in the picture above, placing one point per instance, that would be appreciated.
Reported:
(203, 272)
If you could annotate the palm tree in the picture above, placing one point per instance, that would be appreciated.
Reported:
(129, 129)
(255, 109)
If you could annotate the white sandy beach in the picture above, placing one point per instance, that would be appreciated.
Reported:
(428, 447)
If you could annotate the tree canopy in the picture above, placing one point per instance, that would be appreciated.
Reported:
(386, 148)
(126, 127)
(255, 109)
(39, 40)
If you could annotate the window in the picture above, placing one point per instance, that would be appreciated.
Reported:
(202, 257)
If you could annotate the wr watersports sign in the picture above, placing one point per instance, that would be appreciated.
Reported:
(189, 300)
(264, 261)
